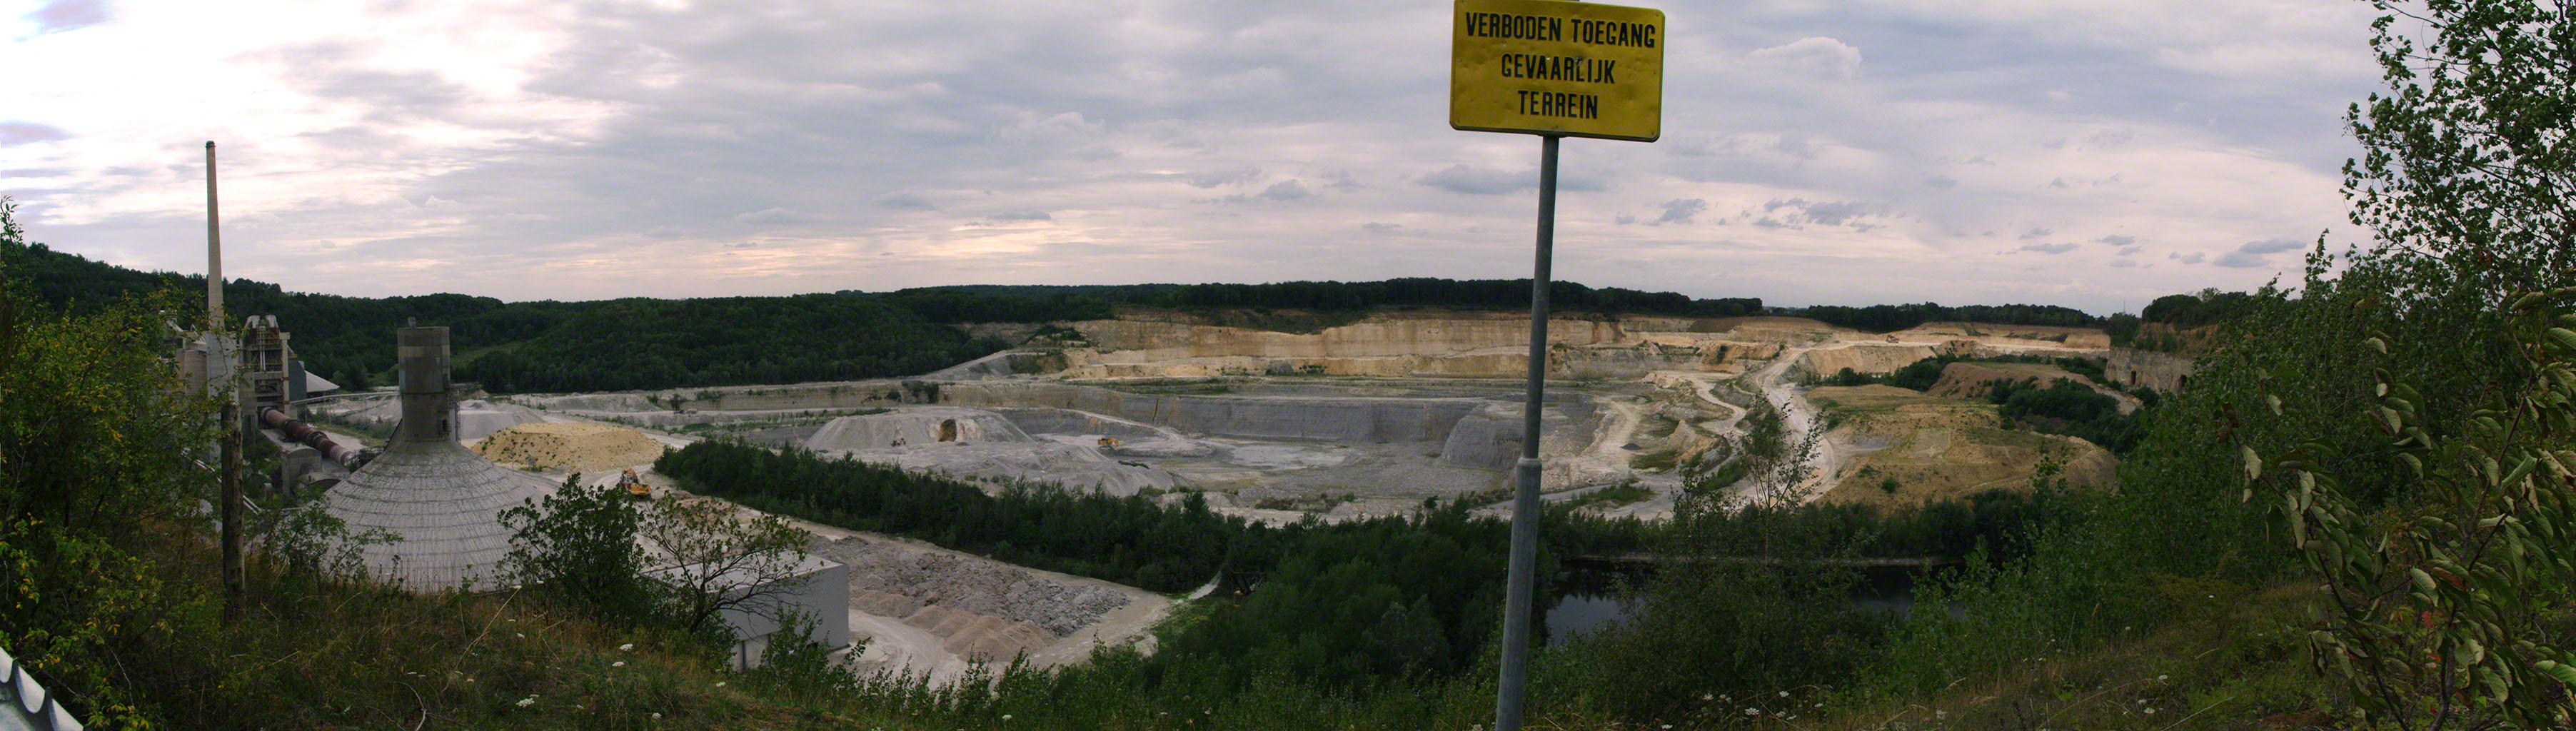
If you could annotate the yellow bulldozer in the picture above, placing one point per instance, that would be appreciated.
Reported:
(633, 485)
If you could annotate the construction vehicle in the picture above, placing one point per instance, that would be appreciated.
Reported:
(1108, 443)
(634, 486)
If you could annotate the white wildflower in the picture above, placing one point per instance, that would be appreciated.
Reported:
(1752, 711)
(628, 647)
(618, 664)
(528, 701)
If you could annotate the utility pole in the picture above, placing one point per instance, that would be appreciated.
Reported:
(221, 362)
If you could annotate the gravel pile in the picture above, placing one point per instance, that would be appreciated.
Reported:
(968, 584)
(570, 447)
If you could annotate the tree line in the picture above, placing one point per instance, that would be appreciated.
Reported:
(1337, 603)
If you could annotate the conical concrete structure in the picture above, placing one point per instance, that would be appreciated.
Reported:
(440, 501)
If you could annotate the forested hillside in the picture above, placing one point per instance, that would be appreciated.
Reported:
(641, 343)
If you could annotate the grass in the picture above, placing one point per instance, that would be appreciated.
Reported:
(1658, 427)
(1611, 497)
(308, 654)
(2239, 662)
(1656, 461)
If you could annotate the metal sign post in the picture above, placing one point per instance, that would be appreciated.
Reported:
(1556, 69)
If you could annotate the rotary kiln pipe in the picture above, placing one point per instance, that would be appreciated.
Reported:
(305, 434)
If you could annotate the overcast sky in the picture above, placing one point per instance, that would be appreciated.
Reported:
(2084, 153)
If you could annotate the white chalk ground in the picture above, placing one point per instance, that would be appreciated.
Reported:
(900, 648)
(1599, 461)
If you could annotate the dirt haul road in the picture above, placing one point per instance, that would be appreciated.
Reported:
(1798, 419)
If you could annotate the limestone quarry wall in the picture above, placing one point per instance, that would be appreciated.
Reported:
(826, 395)
(921, 425)
(1632, 359)
(2012, 336)
(1485, 440)
(1062, 421)
(1864, 358)
(1151, 341)
(1355, 420)
(2162, 371)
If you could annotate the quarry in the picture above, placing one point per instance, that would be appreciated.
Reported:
(1377, 417)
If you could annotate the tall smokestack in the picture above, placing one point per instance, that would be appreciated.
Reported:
(214, 247)
(428, 406)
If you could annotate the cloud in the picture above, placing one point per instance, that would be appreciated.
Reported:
(67, 15)
(2238, 260)
(586, 154)
(2127, 250)
(1285, 190)
(1214, 178)
(19, 133)
(773, 216)
(1680, 210)
(1021, 216)
(2271, 246)
(2035, 232)
(2111, 137)
(2124, 263)
(1480, 181)
(1813, 56)
(2047, 248)
(1279, 192)
(1792, 213)
(905, 201)
(1380, 228)
(2116, 240)
(2192, 258)
(1834, 213)
(2252, 253)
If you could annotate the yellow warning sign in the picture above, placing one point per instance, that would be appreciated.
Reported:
(1554, 67)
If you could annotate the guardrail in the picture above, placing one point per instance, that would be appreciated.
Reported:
(34, 708)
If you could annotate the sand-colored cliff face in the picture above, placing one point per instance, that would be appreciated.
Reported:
(1974, 381)
(1158, 341)
(1416, 346)
(2162, 371)
(1865, 359)
(2011, 337)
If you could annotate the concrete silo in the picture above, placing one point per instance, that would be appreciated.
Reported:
(440, 501)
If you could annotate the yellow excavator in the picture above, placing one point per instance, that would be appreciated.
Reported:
(634, 486)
